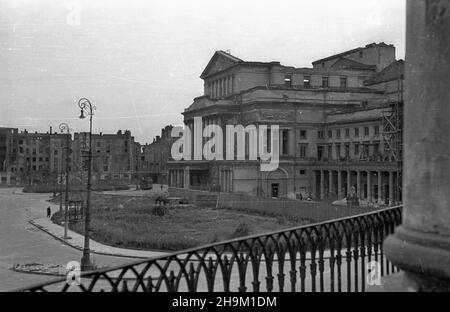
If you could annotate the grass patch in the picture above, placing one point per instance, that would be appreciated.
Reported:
(134, 222)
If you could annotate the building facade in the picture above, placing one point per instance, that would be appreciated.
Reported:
(5, 147)
(33, 158)
(330, 116)
(40, 158)
(113, 156)
(156, 155)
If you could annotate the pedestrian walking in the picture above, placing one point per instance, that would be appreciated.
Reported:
(49, 212)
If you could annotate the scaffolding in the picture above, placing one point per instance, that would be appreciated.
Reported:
(393, 137)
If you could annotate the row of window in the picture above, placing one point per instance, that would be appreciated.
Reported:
(343, 81)
(32, 141)
(30, 168)
(106, 168)
(33, 168)
(303, 136)
(376, 131)
(125, 150)
(358, 148)
(338, 132)
(99, 143)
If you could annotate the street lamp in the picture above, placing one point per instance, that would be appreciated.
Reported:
(85, 105)
(65, 127)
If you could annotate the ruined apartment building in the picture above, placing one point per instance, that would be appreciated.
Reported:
(153, 162)
(331, 120)
(31, 158)
(114, 156)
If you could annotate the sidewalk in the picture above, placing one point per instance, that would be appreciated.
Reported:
(77, 241)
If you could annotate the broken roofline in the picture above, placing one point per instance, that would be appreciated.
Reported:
(345, 53)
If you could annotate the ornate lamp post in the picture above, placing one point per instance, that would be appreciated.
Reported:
(60, 186)
(65, 127)
(86, 106)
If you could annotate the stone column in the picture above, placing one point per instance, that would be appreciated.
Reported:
(222, 81)
(330, 182)
(322, 184)
(339, 172)
(421, 245)
(380, 188)
(358, 184)
(187, 177)
(369, 186)
(349, 182)
(181, 177)
(391, 188)
(314, 183)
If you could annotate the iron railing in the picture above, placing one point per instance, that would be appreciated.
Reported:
(327, 256)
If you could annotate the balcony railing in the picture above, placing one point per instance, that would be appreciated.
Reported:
(328, 256)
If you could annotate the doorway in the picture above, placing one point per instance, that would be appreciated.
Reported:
(275, 189)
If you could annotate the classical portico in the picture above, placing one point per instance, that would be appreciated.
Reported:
(376, 185)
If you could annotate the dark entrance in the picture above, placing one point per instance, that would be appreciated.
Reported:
(199, 179)
(386, 194)
(375, 192)
(275, 189)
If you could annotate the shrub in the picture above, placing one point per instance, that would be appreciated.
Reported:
(241, 230)
(184, 201)
(57, 217)
(160, 211)
(161, 200)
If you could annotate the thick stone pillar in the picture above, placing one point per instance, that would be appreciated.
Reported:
(369, 186)
(421, 245)
(380, 186)
(391, 188)
(339, 173)
(322, 184)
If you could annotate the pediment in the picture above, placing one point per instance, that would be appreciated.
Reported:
(219, 62)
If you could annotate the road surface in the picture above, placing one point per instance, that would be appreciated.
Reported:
(20, 242)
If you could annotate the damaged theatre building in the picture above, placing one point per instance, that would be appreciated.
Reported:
(339, 126)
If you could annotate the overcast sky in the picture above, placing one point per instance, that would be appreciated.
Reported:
(139, 61)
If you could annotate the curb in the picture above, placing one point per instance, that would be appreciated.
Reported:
(63, 275)
(15, 269)
(79, 248)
